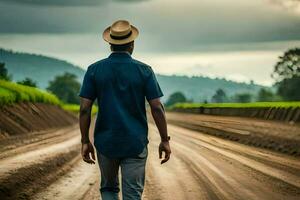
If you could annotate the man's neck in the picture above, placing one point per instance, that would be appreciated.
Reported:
(121, 52)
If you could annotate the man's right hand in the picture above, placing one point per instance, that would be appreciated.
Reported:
(86, 150)
(164, 146)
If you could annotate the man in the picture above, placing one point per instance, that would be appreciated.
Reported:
(120, 84)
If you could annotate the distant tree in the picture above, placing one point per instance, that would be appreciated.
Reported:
(288, 65)
(28, 81)
(176, 97)
(4, 73)
(287, 75)
(289, 89)
(219, 97)
(265, 95)
(65, 87)
(242, 98)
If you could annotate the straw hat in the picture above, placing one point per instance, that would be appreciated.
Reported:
(120, 32)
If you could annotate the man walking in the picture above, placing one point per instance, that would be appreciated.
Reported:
(121, 84)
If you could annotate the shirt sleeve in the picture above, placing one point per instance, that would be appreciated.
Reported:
(88, 89)
(152, 88)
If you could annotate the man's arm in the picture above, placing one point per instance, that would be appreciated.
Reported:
(84, 122)
(158, 114)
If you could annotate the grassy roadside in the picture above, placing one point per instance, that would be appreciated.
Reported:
(11, 92)
(238, 105)
(74, 108)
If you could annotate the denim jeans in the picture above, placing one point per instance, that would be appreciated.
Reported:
(132, 174)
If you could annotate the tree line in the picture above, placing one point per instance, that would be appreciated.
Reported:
(287, 83)
(286, 75)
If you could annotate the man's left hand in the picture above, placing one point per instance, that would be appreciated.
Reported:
(164, 147)
(86, 150)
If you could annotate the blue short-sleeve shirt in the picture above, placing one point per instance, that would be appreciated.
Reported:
(120, 84)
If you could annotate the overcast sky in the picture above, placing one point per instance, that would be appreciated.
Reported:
(238, 40)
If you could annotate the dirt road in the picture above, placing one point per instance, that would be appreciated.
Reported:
(201, 167)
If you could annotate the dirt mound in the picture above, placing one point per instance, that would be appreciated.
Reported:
(281, 137)
(30, 117)
(28, 180)
(288, 114)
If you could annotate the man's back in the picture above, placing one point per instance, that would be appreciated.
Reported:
(120, 85)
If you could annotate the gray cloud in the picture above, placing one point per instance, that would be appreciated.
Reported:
(165, 25)
(285, 2)
(65, 2)
(290, 5)
(57, 2)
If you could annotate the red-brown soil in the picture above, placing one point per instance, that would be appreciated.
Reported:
(277, 136)
(47, 165)
(24, 118)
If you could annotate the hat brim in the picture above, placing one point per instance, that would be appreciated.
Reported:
(107, 38)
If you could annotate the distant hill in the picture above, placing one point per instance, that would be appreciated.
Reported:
(201, 88)
(42, 69)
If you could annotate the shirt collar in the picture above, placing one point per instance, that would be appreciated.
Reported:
(120, 54)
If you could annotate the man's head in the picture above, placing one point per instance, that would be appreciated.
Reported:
(121, 35)
(123, 47)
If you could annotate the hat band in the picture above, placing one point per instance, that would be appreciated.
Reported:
(120, 37)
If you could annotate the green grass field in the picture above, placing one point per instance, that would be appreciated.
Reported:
(14, 93)
(237, 105)
(75, 108)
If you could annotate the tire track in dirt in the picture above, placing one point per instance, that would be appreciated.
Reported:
(73, 185)
(285, 176)
(169, 174)
(40, 155)
(24, 182)
(20, 145)
(36, 165)
(208, 187)
(216, 175)
(280, 137)
(209, 150)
